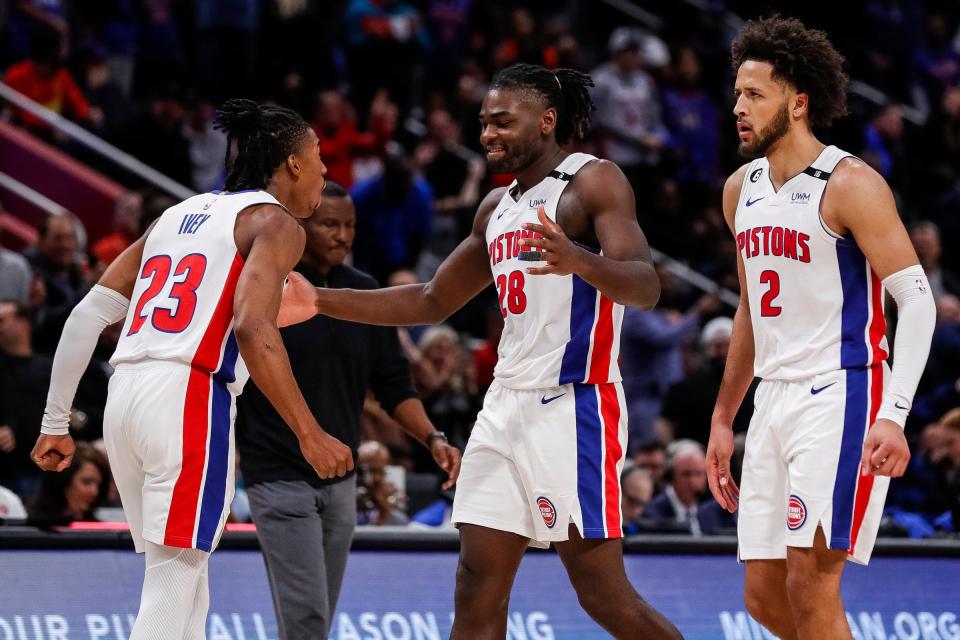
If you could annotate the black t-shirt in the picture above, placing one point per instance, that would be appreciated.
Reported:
(334, 362)
(23, 398)
(689, 405)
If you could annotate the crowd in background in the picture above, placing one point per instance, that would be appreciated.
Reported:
(393, 89)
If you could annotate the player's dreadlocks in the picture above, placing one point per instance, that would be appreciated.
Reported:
(801, 57)
(265, 135)
(563, 89)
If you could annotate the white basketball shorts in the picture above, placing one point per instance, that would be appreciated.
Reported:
(801, 468)
(169, 435)
(538, 460)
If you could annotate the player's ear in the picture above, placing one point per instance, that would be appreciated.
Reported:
(548, 121)
(801, 105)
(293, 165)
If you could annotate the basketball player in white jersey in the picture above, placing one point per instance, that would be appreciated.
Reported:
(199, 296)
(543, 460)
(819, 240)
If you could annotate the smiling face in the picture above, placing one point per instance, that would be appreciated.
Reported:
(762, 108)
(516, 129)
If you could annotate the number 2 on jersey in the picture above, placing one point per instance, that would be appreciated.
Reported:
(767, 308)
(191, 266)
(510, 291)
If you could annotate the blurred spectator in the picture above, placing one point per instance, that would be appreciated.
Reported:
(637, 488)
(454, 172)
(394, 218)
(75, 493)
(524, 43)
(926, 241)
(56, 260)
(126, 229)
(449, 25)
(207, 146)
(156, 136)
(45, 80)
(682, 503)
(15, 276)
(386, 40)
(334, 122)
(627, 121)
(688, 405)
(939, 143)
(949, 467)
(112, 25)
(11, 506)
(27, 17)
(445, 378)
(883, 142)
(691, 117)
(24, 379)
(651, 345)
(226, 46)
(485, 355)
(652, 456)
(937, 59)
(160, 50)
(379, 502)
(96, 80)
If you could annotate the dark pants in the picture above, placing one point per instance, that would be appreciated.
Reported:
(305, 534)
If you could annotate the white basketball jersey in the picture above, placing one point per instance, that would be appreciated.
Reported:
(815, 303)
(557, 329)
(182, 304)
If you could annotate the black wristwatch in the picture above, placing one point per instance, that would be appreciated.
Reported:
(433, 436)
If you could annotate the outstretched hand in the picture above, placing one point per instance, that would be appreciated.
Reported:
(298, 302)
(562, 256)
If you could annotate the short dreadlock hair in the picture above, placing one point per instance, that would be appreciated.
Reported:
(563, 89)
(265, 134)
(801, 57)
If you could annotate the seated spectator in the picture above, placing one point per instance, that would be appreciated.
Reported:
(445, 379)
(58, 262)
(394, 218)
(946, 497)
(379, 502)
(207, 146)
(688, 405)
(126, 229)
(75, 493)
(636, 484)
(925, 237)
(24, 379)
(15, 276)
(44, 79)
(652, 456)
(681, 504)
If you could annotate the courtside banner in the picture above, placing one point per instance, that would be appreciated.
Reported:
(393, 595)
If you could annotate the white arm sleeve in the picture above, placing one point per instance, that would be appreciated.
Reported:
(100, 308)
(917, 315)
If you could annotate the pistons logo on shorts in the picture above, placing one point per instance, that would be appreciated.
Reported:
(547, 511)
(796, 513)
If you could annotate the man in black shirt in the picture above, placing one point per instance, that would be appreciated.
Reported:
(305, 524)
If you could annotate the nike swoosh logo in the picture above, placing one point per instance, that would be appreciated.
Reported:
(546, 400)
(814, 391)
(750, 202)
(500, 215)
(897, 405)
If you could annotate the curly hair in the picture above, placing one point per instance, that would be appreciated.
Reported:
(563, 89)
(802, 57)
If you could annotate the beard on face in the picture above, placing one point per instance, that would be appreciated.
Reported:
(768, 136)
(513, 160)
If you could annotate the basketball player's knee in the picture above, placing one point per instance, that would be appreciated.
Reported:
(480, 589)
(761, 607)
(806, 589)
